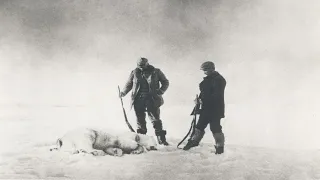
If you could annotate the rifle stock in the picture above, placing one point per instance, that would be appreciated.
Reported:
(194, 112)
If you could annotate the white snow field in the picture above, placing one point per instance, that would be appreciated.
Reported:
(25, 154)
(61, 62)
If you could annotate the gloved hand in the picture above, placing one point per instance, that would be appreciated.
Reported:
(197, 101)
(159, 92)
(122, 94)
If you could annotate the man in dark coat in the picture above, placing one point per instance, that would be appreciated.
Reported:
(146, 96)
(212, 108)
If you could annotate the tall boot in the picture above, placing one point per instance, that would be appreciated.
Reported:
(161, 137)
(195, 139)
(160, 133)
(219, 138)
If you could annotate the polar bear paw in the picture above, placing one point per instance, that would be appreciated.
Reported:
(82, 151)
(118, 152)
(138, 150)
(114, 151)
(98, 153)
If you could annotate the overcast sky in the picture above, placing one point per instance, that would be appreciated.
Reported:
(71, 53)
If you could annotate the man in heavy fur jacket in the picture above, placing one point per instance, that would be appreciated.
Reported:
(212, 108)
(146, 96)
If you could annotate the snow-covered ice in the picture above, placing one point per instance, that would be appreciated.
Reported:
(61, 62)
(25, 155)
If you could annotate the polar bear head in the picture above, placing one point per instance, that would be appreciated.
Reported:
(146, 141)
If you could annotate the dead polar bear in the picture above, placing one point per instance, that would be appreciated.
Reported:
(100, 143)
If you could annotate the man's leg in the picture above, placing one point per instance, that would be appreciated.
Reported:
(140, 109)
(218, 135)
(154, 115)
(198, 133)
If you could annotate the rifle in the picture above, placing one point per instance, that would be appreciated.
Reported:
(124, 113)
(194, 112)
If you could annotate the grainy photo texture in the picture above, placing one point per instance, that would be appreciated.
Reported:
(159, 90)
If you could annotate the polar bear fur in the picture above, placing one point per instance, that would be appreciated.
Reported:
(99, 142)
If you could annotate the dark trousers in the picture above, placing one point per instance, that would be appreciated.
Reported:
(206, 118)
(143, 105)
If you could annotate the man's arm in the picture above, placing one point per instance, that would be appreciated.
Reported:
(164, 82)
(218, 90)
(210, 92)
(129, 84)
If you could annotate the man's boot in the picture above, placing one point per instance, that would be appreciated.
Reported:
(219, 138)
(194, 140)
(161, 137)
